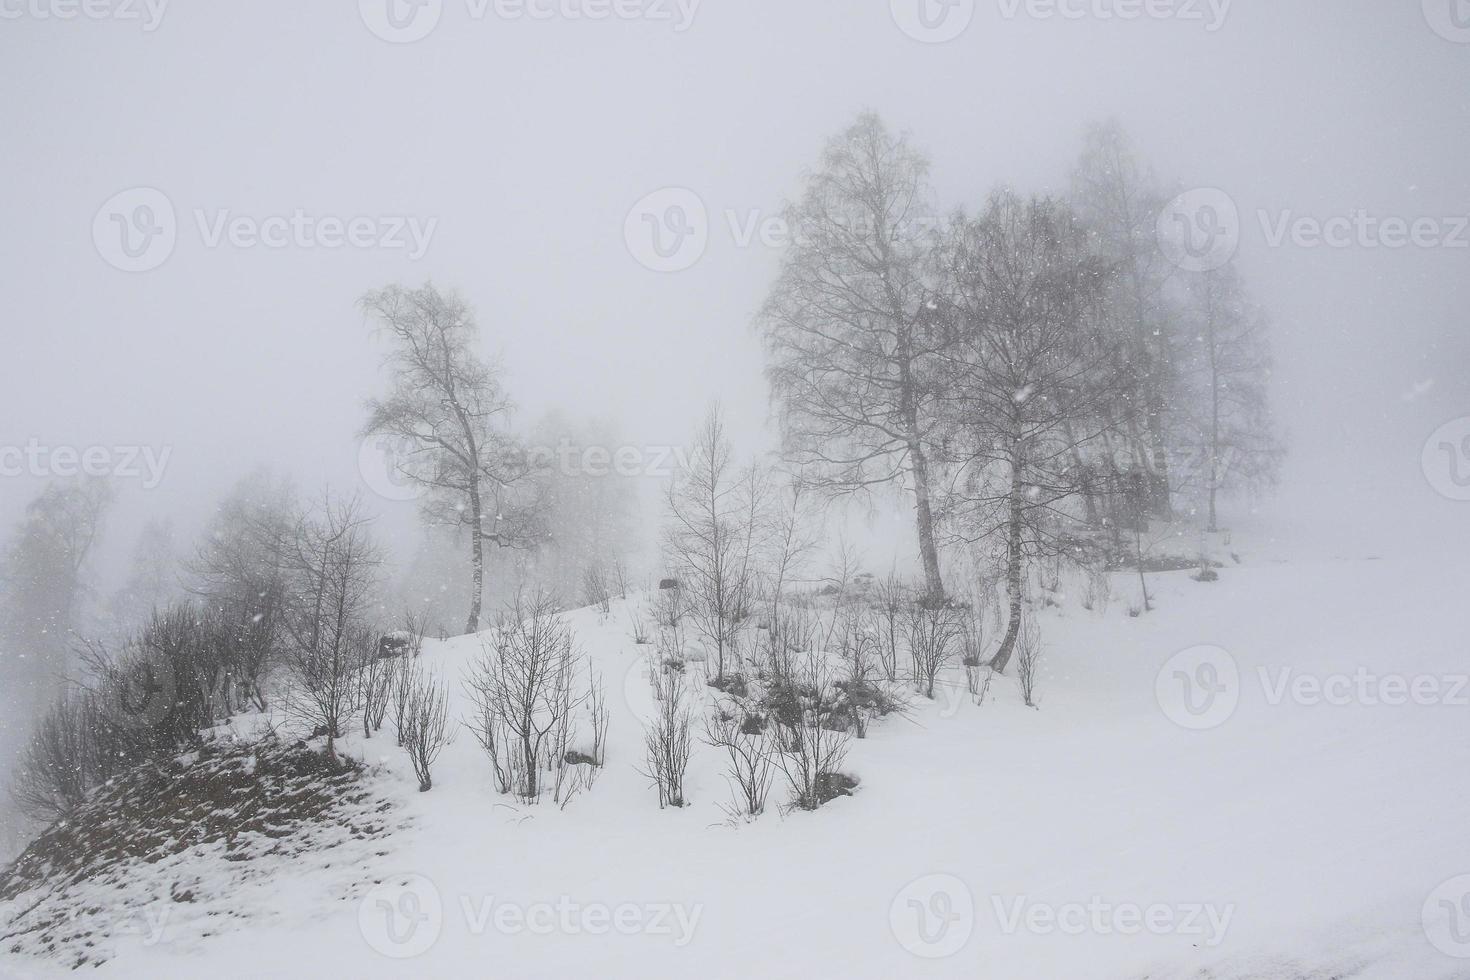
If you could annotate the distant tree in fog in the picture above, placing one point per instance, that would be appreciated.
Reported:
(239, 569)
(43, 586)
(153, 579)
(847, 326)
(450, 409)
(1228, 367)
(1119, 201)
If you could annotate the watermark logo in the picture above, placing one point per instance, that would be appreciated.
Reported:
(1446, 459)
(1199, 230)
(1198, 688)
(135, 230)
(147, 12)
(381, 462)
(1446, 917)
(933, 916)
(141, 694)
(1450, 19)
(932, 21)
(667, 230)
(400, 21)
(402, 918)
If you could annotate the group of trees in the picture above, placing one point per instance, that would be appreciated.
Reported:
(1034, 374)
(285, 605)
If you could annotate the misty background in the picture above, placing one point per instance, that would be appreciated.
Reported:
(529, 141)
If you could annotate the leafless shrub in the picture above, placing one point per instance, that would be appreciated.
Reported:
(970, 634)
(667, 744)
(891, 598)
(377, 678)
(597, 708)
(932, 635)
(424, 729)
(72, 748)
(1097, 591)
(669, 607)
(331, 564)
(816, 741)
(521, 686)
(620, 578)
(597, 588)
(637, 619)
(978, 679)
(750, 753)
(1028, 657)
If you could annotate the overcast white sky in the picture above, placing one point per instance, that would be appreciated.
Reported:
(530, 140)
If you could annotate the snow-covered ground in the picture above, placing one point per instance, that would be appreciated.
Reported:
(1154, 818)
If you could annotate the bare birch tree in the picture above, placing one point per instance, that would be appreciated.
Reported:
(847, 326)
(449, 410)
(1029, 374)
(714, 535)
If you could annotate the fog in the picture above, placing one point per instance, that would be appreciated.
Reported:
(528, 141)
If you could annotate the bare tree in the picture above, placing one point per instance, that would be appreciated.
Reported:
(240, 571)
(715, 530)
(332, 563)
(794, 535)
(847, 326)
(933, 638)
(1028, 659)
(891, 598)
(448, 410)
(667, 744)
(1229, 368)
(152, 579)
(43, 583)
(1029, 374)
(1119, 201)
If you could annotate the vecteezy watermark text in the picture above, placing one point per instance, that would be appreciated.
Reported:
(149, 13)
(136, 230)
(405, 916)
(1210, 13)
(934, 915)
(406, 21)
(1200, 687)
(123, 462)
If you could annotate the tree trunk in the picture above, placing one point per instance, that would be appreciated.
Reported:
(477, 558)
(1214, 409)
(928, 550)
(1013, 574)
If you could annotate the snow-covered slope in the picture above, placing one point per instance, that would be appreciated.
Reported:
(1114, 832)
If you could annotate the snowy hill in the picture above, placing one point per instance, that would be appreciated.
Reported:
(1287, 825)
